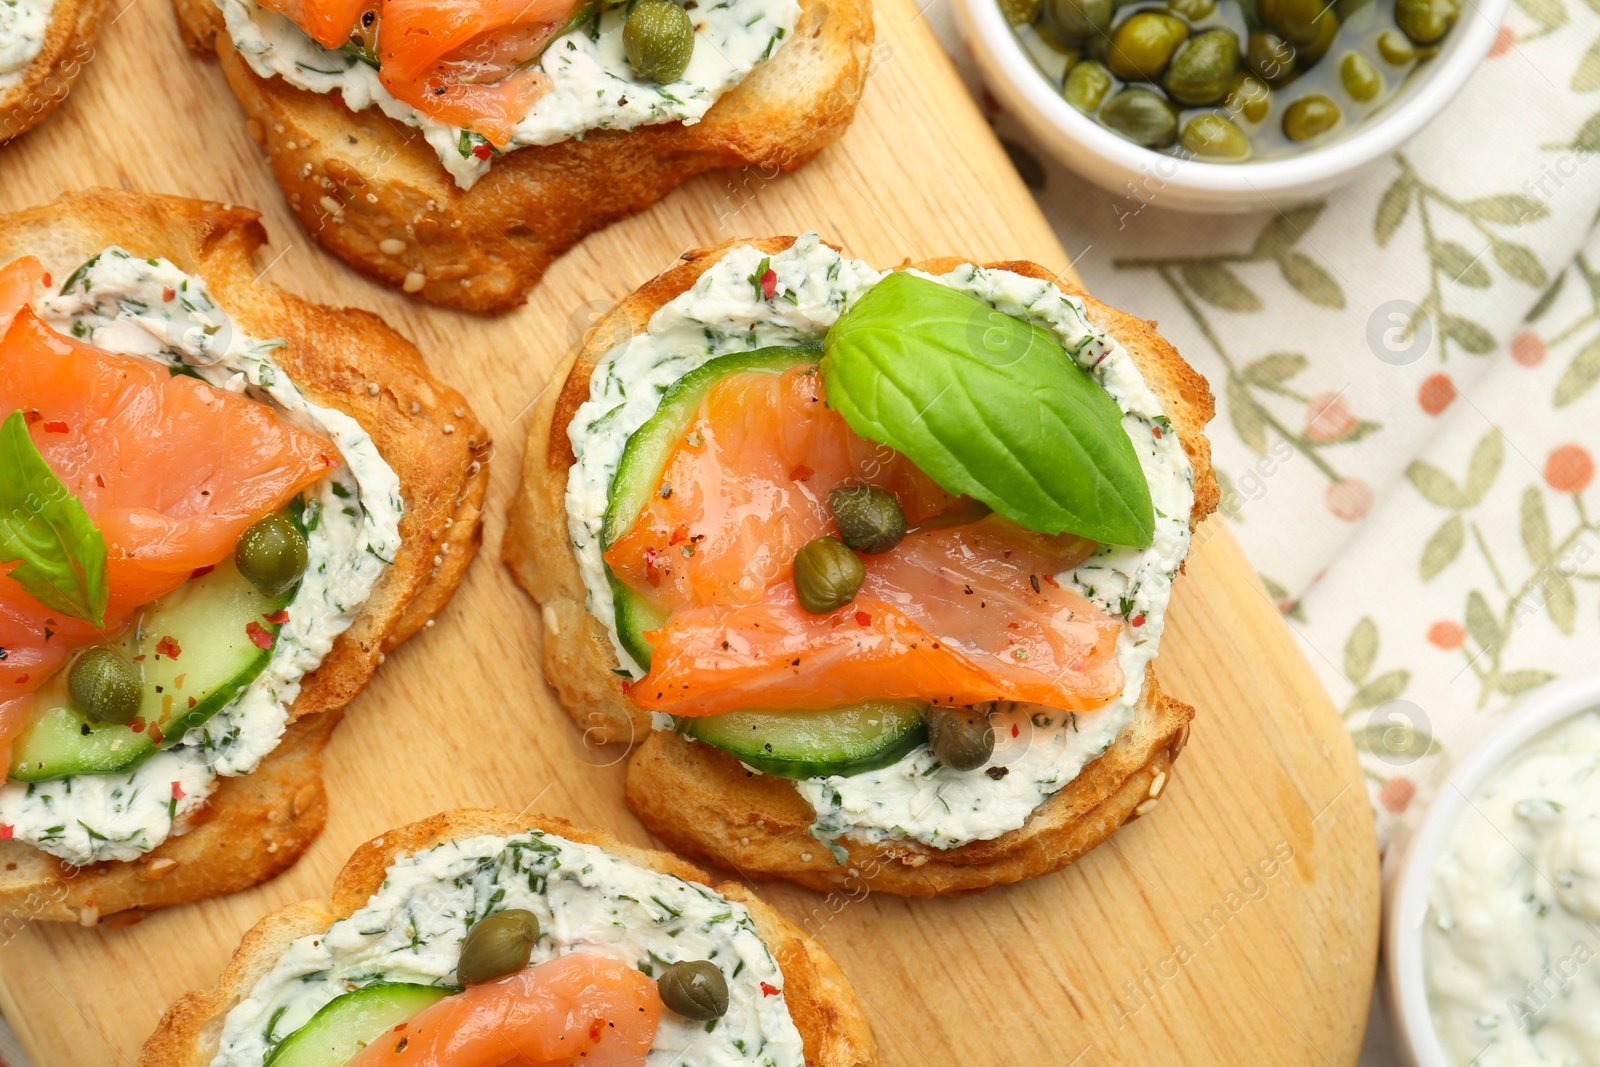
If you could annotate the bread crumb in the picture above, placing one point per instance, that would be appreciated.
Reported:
(372, 389)
(414, 282)
(391, 246)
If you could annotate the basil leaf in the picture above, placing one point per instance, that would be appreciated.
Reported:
(988, 406)
(60, 555)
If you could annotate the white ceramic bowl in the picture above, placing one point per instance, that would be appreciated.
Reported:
(1410, 863)
(1190, 185)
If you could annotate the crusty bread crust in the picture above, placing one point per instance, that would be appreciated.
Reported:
(699, 799)
(820, 1000)
(68, 46)
(256, 826)
(361, 181)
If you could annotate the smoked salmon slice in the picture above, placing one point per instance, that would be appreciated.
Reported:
(958, 613)
(576, 1009)
(328, 22)
(170, 469)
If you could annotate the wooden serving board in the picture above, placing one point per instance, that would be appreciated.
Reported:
(1236, 923)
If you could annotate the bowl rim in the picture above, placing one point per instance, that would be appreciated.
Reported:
(1465, 48)
(1406, 902)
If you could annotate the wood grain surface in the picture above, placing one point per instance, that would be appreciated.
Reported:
(1236, 923)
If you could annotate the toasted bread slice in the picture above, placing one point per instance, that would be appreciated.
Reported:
(258, 825)
(820, 999)
(48, 78)
(363, 183)
(700, 799)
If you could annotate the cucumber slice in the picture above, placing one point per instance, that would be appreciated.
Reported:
(645, 456)
(207, 623)
(814, 744)
(349, 1023)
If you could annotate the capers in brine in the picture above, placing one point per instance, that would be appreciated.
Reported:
(1020, 12)
(1359, 77)
(1143, 45)
(497, 945)
(1142, 116)
(1310, 116)
(1203, 69)
(1079, 18)
(1056, 42)
(1395, 48)
(827, 575)
(961, 737)
(695, 989)
(271, 555)
(1249, 97)
(1193, 10)
(659, 39)
(1086, 86)
(1270, 58)
(106, 685)
(869, 519)
(1425, 21)
(1213, 137)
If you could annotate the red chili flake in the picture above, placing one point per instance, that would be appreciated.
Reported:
(338, 97)
(1051, 581)
(101, 482)
(177, 791)
(22, 679)
(191, 702)
(201, 572)
(595, 1030)
(483, 151)
(56, 426)
(1014, 730)
(769, 990)
(32, 417)
(327, 460)
(802, 472)
(679, 535)
(278, 618)
(47, 280)
(169, 648)
(769, 283)
(258, 635)
(1157, 431)
(863, 619)
(168, 294)
(155, 734)
(7, 831)
(1137, 620)
(137, 725)
(652, 571)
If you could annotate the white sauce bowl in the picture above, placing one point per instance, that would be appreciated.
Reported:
(1411, 861)
(1123, 167)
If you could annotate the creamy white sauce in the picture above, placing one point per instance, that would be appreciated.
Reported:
(917, 797)
(592, 85)
(118, 302)
(23, 24)
(586, 900)
(1512, 934)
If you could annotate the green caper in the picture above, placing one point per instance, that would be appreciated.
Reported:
(1249, 97)
(1143, 45)
(695, 989)
(1193, 10)
(1324, 31)
(1270, 58)
(659, 39)
(1203, 69)
(1056, 42)
(1360, 78)
(106, 685)
(1298, 21)
(1310, 116)
(1142, 116)
(827, 575)
(1086, 86)
(869, 518)
(961, 737)
(1079, 18)
(1425, 21)
(271, 555)
(1395, 48)
(1213, 137)
(497, 945)
(1020, 12)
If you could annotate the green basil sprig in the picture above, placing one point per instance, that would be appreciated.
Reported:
(988, 406)
(60, 555)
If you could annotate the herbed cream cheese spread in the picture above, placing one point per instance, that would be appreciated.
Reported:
(586, 900)
(593, 87)
(23, 24)
(117, 301)
(1511, 942)
(1040, 749)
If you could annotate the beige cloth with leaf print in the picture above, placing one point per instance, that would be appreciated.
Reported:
(1421, 505)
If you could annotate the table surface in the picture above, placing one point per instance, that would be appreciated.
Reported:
(1238, 920)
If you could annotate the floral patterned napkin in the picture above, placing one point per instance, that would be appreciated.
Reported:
(1406, 376)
